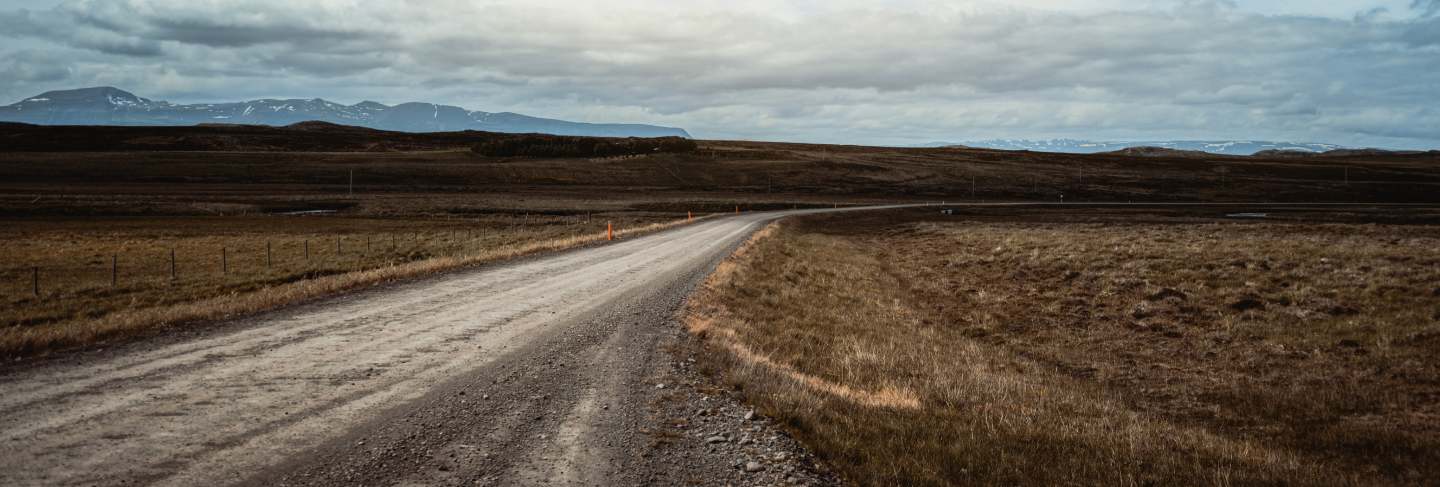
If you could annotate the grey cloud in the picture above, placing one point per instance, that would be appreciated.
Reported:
(1204, 68)
(1388, 122)
(136, 28)
(1240, 94)
(107, 16)
(21, 23)
(998, 53)
(75, 31)
(118, 45)
(208, 32)
(1424, 33)
(33, 67)
(327, 64)
(1427, 7)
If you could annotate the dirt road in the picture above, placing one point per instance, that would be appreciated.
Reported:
(545, 371)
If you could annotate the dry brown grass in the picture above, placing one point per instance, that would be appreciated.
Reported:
(909, 351)
(78, 305)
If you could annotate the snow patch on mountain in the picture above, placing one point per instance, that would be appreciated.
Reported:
(1074, 146)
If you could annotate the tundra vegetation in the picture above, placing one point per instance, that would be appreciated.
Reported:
(1094, 347)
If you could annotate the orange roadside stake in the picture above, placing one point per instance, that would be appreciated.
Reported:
(737, 209)
(609, 231)
(689, 216)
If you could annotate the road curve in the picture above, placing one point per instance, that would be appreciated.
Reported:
(531, 372)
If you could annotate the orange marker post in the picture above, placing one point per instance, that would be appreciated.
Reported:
(609, 231)
(737, 209)
(689, 216)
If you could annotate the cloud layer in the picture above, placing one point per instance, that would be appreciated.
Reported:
(836, 71)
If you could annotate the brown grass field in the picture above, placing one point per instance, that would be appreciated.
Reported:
(112, 278)
(1092, 346)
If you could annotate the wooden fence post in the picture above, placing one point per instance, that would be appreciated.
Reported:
(35, 280)
(224, 260)
(114, 269)
(172, 263)
(307, 249)
(269, 259)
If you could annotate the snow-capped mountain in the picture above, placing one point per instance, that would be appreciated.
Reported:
(112, 106)
(1233, 147)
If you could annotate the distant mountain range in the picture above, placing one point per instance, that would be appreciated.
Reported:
(1231, 147)
(113, 106)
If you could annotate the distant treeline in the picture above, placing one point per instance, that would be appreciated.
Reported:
(539, 145)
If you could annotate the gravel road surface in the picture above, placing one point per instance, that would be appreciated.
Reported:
(556, 370)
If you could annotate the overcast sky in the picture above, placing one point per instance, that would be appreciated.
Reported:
(1354, 72)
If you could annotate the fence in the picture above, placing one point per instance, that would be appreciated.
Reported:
(179, 264)
(211, 261)
(85, 281)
